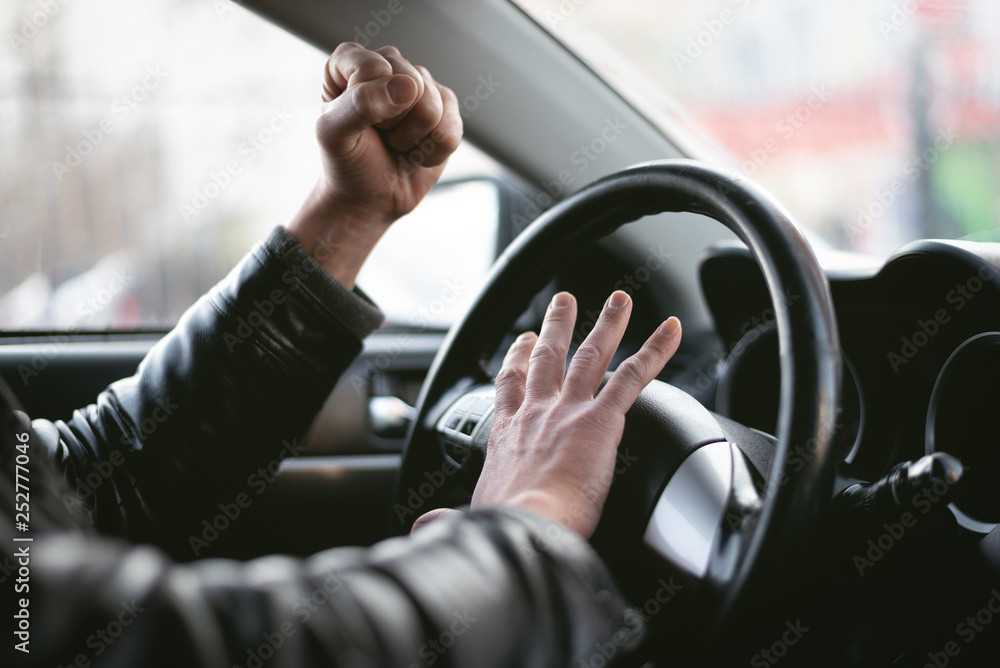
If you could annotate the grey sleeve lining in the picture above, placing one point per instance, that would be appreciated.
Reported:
(352, 308)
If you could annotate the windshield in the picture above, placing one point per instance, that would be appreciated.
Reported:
(875, 122)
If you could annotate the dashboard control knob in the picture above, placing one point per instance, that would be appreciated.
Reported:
(904, 487)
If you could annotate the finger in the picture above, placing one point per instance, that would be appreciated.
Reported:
(401, 65)
(361, 106)
(424, 116)
(513, 375)
(430, 516)
(548, 359)
(639, 370)
(448, 133)
(351, 62)
(591, 360)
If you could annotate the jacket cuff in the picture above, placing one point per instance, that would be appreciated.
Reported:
(601, 612)
(353, 309)
(568, 606)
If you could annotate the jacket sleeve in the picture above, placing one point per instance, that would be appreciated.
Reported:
(212, 401)
(232, 388)
(489, 588)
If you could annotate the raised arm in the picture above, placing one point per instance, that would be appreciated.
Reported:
(237, 382)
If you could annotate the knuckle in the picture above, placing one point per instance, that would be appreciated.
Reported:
(372, 68)
(448, 95)
(510, 375)
(559, 316)
(428, 112)
(326, 130)
(593, 420)
(447, 137)
(531, 413)
(363, 102)
(587, 355)
(389, 51)
(614, 316)
(545, 349)
(347, 47)
(633, 370)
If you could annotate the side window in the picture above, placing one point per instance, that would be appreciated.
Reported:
(428, 267)
(147, 146)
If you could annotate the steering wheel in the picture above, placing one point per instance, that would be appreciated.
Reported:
(707, 501)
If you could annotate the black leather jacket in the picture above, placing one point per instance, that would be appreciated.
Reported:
(118, 487)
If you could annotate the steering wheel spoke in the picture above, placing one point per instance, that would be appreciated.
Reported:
(710, 496)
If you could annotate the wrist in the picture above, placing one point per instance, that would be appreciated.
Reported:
(338, 236)
(554, 508)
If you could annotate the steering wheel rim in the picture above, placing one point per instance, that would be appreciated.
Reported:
(808, 343)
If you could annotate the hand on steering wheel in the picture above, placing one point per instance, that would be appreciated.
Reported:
(553, 444)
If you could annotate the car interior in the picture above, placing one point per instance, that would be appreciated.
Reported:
(811, 471)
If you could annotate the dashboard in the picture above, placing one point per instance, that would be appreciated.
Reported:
(920, 338)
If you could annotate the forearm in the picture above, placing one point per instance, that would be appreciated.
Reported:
(338, 237)
(492, 589)
(232, 388)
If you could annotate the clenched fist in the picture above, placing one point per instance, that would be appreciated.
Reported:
(386, 130)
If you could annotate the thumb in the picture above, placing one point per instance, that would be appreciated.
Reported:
(430, 516)
(363, 105)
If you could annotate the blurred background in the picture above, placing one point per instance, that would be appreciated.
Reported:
(146, 146)
(875, 121)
